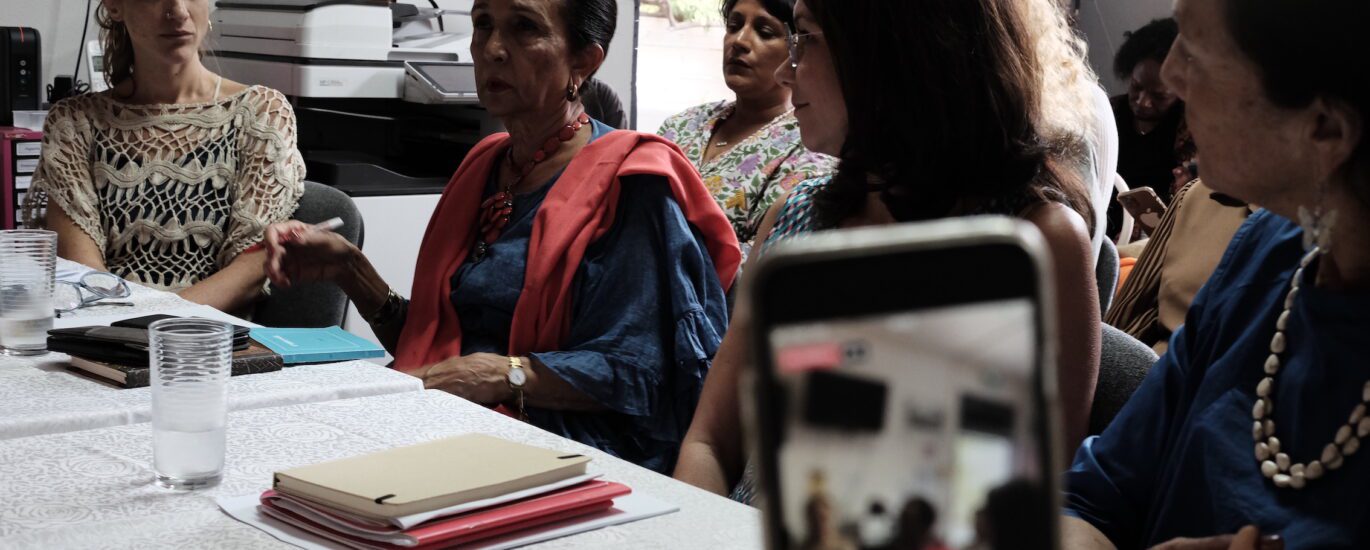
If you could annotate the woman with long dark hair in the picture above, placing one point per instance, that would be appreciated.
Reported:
(932, 107)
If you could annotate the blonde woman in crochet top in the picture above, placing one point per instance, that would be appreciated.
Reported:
(170, 175)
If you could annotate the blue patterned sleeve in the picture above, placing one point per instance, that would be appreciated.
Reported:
(649, 316)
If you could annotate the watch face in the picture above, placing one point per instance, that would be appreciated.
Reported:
(517, 377)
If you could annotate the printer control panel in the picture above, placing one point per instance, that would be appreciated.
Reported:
(433, 82)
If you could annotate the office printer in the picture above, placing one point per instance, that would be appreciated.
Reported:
(384, 93)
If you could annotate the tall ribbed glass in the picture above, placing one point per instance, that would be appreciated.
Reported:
(28, 262)
(191, 359)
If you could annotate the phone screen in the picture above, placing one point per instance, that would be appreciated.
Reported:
(911, 429)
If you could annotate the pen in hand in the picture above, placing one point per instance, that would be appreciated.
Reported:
(330, 225)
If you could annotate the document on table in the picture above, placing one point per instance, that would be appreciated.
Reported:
(201, 311)
(626, 509)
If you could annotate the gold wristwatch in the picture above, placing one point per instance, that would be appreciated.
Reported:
(517, 377)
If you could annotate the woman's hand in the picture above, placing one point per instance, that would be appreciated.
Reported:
(1183, 174)
(298, 253)
(1249, 538)
(479, 378)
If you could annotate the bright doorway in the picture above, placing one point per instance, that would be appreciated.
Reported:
(679, 60)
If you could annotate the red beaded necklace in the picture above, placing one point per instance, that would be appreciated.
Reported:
(495, 211)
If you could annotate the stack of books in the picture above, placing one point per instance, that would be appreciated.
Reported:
(443, 494)
(119, 353)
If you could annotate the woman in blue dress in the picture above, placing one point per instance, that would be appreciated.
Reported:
(572, 274)
(1247, 431)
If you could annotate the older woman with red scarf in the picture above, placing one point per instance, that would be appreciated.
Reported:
(573, 274)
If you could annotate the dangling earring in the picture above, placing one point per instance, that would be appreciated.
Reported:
(572, 92)
(1317, 224)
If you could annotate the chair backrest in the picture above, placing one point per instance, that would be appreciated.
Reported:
(314, 305)
(1106, 274)
(1125, 236)
(1123, 365)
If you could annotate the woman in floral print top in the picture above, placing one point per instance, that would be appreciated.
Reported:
(748, 150)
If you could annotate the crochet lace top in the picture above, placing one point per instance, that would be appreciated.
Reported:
(170, 193)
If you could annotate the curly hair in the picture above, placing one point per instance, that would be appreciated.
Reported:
(117, 47)
(1066, 109)
(1152, 41)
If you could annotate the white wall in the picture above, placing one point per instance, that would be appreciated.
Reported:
(59, 28)
(1104, 22)
(59, 25)
(619, 69)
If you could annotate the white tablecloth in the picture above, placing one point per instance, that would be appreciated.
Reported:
(39, 395)
(43, 397)
(93, 489)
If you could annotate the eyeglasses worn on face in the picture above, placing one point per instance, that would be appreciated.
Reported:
(796, 43)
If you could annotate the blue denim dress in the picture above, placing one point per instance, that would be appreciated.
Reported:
(649, 314)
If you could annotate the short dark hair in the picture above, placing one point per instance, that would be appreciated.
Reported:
(779, 9)
(1311, 49)
(1020, 515)
(930, 125)
(1152, 41)
(591, 22)
(919, 508)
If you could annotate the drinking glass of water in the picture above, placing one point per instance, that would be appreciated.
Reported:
(28, 261)
(191, 359)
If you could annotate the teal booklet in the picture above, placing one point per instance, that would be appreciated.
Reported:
(316, 345)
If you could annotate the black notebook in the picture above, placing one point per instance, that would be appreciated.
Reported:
(240, 333)
(120, 353)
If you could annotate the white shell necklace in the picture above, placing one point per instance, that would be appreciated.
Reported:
(1276, 464)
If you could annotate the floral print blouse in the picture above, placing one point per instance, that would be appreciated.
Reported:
(749, 177)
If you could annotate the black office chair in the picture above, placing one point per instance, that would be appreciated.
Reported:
(1124, 363)
(1106, 274)
(314, 305)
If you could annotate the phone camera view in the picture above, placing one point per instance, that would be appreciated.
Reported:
(911, 431)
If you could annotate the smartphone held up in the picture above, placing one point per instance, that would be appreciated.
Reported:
(915, 409)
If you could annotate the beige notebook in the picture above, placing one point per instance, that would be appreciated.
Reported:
(429, 476)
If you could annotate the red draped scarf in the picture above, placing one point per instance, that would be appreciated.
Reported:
(579, 209)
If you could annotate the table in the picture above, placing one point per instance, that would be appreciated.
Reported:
(93, 488)
(39, 395)
(43, 397)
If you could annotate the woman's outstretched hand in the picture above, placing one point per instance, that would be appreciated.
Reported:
(298, 253)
